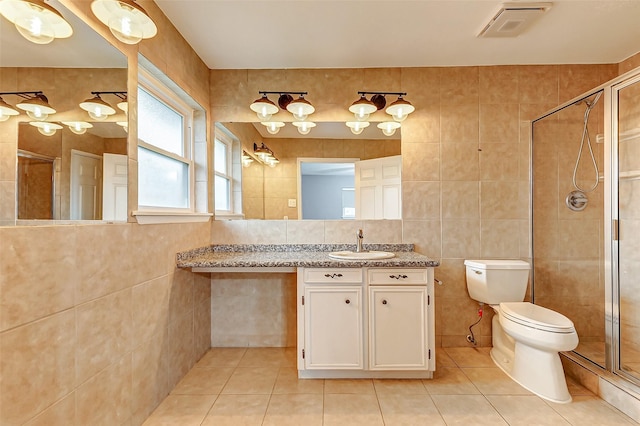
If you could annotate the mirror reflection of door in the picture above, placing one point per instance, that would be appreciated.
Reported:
(348, 188)
(325, 185)
(36, 186)
(86, 186)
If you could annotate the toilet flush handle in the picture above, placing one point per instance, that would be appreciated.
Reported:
(477, 272)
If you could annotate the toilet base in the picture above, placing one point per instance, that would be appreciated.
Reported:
(535, 370)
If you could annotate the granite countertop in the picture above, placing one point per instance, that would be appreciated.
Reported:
(297, 255)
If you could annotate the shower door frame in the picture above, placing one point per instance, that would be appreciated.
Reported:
(611, 216)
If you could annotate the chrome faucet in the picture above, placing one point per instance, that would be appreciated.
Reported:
(359, 239)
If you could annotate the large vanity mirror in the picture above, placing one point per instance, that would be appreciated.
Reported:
(74, 173)
(315, 176)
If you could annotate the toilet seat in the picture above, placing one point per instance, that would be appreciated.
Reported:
(537, 317)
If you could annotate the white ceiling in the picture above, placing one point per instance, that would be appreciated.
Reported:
(263, 34)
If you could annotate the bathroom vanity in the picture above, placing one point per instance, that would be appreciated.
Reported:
(357, 318)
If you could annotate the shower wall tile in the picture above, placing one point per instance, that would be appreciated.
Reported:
(499, 161)
(426, 235)
(461, 238)
(538, 84)
(305, 232)
(61, 412)
(382, 231)
(420, 162)
(341, 231)
(500, 200)
(459, 85)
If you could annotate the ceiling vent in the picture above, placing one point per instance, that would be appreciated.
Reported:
(513, 19)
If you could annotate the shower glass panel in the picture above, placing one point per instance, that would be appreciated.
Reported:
(628, 272)
(568, 217)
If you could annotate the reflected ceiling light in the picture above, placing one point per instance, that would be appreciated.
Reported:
(300, 108)
(246, 159)
(264, 155)
(357, 126)
(78, 127)
(124, 104)
(46, 128)
(304, 127)
(97, 108)
(389, 127)
(263, 107)
(273, 127)
(124, 125)
(362, 108)
(400, 109)
(35, 20)
(126, 19)
(6, 110)
(37, 106)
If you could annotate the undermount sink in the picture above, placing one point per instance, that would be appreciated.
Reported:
(363, 255)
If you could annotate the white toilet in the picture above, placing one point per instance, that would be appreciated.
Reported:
(526, 337)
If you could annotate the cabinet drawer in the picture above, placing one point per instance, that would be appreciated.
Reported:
(400, 276)
(332, 275)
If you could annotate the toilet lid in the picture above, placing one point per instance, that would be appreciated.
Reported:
(537, 317)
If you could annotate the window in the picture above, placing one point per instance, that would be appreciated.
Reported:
(223, 149)
(165, 166)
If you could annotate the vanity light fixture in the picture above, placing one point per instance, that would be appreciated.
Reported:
(35, 20)
(45, 127)
(264, 155)
(78, 127)
(36, 106)
(265, 108)
(246, 159)
(363, 107)
(124, 125)
(273, 127)
(98, 108)
(6, 110)
(357, 126)
(304, 127)
(126, 19)
(389, 127)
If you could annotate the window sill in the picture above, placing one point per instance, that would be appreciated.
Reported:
(229, 216)
(156, 217)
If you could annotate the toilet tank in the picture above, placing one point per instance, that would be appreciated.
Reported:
(497, 281)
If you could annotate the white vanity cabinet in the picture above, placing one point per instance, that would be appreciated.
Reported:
(365, 322)
(333, 326)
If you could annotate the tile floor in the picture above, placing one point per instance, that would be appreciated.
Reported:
(259, 386)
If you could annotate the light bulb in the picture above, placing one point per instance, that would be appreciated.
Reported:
(264, 115)
(126, 27)
(98, 114)
(46, 128)
(37, 114)
(400, 116)
(389, 127)
(35, 20)
(78, 127)
(361, 115)
(126, 19)
(3, 117)
(357, 127)
(299, 115)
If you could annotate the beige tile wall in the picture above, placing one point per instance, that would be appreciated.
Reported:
(96, 323)
(465, 162)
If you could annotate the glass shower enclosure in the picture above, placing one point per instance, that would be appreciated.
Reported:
(585, 177)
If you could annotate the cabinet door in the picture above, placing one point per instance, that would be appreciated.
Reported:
(397, 328)
(333, 327)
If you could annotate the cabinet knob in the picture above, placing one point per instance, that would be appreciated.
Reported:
(333, 275)
(384, 301)
(347, 301)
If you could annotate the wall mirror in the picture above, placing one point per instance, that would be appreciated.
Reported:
(277, 191)
(62, 176)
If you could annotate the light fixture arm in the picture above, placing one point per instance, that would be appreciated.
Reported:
(400, 94)
(120, 95)
(23, 95)
(262, 92)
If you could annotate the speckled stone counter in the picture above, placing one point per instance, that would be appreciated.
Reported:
(297, 255)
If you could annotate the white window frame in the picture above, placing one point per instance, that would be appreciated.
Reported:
(163, 214)
(228, 142)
